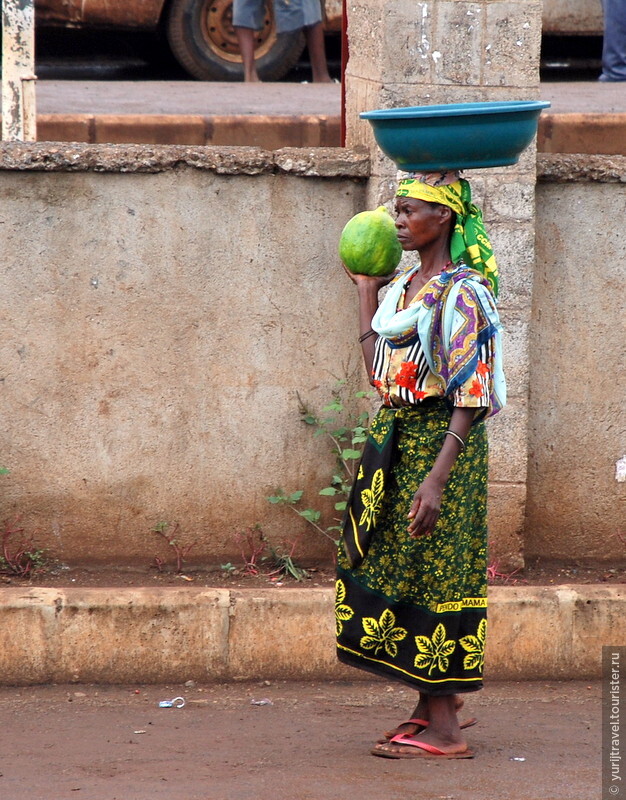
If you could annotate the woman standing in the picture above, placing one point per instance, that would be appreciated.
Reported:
(411, 589)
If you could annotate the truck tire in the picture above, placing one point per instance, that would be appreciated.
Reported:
(201, 36)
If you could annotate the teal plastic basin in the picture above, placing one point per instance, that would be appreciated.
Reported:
(456, 136)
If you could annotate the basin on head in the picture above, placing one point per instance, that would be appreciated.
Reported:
(456, 135)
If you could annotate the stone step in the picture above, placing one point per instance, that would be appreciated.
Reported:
(596, 133)
(170, 635)
(257, 130)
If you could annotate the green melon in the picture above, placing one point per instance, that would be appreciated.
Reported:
(369, 245)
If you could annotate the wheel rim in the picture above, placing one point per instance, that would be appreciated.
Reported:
(219, 34)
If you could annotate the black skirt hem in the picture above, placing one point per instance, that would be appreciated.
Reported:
(452, 687)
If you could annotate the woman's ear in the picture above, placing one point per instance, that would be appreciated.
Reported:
(446, 214)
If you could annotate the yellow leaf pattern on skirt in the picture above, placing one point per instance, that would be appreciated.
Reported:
(433, 653)
(475, 647)
(342, 612)
(372, 499)
(382, 633)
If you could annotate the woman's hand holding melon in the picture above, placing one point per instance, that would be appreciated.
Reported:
(370, 252)
(375, 281)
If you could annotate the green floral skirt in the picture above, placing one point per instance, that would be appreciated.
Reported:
(415, 609)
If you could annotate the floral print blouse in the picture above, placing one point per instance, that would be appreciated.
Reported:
(402, 376)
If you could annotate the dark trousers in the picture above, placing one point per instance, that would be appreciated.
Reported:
(614, 44)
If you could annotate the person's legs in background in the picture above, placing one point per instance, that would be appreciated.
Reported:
(245, 39)
(614, 42)
(248, 18)
(317, 52)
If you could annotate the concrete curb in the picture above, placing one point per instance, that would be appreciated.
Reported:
(148, 635)
(592, 133)
(251, 130)
(598, 134)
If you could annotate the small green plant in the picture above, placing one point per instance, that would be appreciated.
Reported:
(19, 556)
(180, 551)
(258, 552)
(284, 564)
(346, 432)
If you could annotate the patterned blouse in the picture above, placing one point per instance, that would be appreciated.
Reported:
(402, 376)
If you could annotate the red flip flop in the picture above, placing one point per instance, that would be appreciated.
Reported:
(423, 723)
(422, 750)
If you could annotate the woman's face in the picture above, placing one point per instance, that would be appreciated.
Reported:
(419, 223)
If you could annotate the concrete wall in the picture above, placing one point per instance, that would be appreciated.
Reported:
(162, 308)
(577, 433)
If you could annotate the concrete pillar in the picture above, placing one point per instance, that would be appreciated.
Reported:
(19, 121)
(405, 53)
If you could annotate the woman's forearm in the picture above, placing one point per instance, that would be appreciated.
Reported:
(460, 424)
(368, 305)
(426, 505)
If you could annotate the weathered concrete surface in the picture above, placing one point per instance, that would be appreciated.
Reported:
(129, 158)
(584, 97)
(581, 169)
(167, 307)
(581, 132)
(293, 632)
(90, 635)
(573, 17)
(105, 374)
(18, 72)
(282, 100)
(115, 370)
(197, 98)
(577, 421)
(173, 635)
(123, 408)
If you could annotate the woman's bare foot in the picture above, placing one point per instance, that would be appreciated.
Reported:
(421, 713)
(442, 738)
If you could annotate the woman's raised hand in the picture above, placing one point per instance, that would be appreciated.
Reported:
(369, 280)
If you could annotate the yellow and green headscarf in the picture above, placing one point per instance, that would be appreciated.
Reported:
(469, 242)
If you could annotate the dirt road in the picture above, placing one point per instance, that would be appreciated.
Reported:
(534, 741)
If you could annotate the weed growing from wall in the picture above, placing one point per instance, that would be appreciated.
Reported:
(180, 551)
(19, 555)
(258, 554)
(345, 429)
